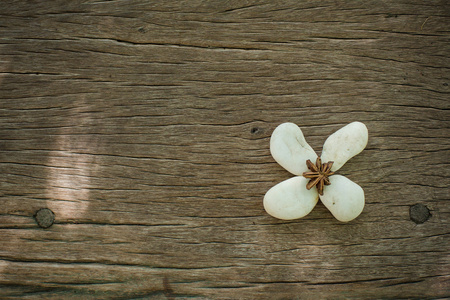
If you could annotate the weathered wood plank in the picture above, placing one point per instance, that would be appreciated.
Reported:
(145, 128)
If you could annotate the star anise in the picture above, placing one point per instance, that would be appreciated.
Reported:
(319, 174)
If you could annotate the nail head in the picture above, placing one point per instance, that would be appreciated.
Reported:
(419, 213)
(44, 217)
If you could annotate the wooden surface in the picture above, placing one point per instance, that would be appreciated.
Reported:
(144, 126)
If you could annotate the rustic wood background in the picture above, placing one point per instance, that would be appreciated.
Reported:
(144, 126)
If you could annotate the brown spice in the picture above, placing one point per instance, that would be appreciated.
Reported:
(318, 175)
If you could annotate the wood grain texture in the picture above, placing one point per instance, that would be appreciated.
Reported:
(144, 126)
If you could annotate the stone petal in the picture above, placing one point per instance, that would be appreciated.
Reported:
(290, 149)
(290, 199)
(343, 198)
(344, 144)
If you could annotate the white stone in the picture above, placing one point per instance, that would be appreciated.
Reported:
(290, 149)
(290, 199)
(343, 198)
(344, 144)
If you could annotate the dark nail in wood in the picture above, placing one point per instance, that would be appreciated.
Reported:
(44, 217)
(419, 213)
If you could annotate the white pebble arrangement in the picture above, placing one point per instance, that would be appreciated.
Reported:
(296, 197)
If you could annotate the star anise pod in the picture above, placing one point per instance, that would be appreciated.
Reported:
(319, 174)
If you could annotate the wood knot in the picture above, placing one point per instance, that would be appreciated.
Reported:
(419, 213)
(255, 130)
(44, 217)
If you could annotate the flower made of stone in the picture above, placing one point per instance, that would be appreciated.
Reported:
(295, 197)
